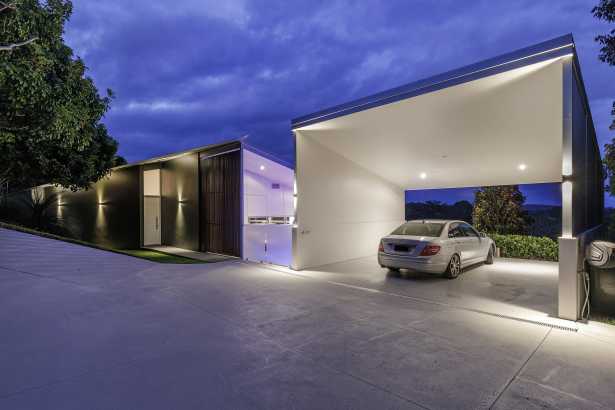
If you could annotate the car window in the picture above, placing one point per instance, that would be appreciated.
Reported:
(469, 231)
(454, 231)
(430, 229)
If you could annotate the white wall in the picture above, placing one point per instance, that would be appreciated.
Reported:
(262, 200)
(342, 209)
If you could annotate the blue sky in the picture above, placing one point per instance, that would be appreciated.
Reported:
(193, 72)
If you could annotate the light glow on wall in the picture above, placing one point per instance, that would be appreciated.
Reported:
(522, 167)
(566, 206)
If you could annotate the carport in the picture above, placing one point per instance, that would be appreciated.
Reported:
(519, 118)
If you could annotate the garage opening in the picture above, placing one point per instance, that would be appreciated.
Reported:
(521, 118)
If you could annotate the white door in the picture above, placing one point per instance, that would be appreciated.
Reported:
(151, 221)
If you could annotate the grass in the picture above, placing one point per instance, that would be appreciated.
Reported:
(159, 257)
(148, 254)
(604, 319)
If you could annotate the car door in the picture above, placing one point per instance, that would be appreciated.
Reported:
(458, 236)
(474, 242)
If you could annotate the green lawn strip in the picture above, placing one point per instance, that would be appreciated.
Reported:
(604, 319)
(148, 254)
(160, 257)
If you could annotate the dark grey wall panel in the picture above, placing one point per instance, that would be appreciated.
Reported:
(221, 203)
(180, 202)
(107, 214)
(587, 191)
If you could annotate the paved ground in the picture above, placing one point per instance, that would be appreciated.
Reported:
(86, 329)
(511, 287)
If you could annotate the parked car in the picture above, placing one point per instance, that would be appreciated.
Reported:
(435, 246)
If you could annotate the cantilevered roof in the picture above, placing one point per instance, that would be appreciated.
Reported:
(497, 122)
(544, 51)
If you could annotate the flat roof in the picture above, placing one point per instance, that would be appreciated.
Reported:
(240, 141)
(544, 51)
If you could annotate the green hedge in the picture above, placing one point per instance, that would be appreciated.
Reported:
(526, 247)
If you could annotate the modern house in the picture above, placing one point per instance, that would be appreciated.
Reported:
(228, 198)
(519, 118)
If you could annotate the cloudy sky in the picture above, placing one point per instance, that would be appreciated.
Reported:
(192, 72)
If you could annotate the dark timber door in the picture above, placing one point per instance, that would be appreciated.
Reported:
(220, 203)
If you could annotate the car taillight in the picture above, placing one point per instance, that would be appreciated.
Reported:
(381, 247)
(430, 250)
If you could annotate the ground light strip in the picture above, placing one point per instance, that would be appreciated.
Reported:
(433, 302)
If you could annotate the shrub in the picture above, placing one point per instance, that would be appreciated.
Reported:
(526, 247)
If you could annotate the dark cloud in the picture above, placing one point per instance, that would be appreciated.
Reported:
(192, 72)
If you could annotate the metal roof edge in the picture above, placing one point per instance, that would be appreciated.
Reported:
(267, 155)
(546, 50)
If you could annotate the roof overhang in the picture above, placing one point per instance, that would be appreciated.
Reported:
(496, 122)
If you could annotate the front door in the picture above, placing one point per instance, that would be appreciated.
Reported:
(151, 221)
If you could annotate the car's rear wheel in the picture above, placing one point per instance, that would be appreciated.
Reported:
(489, 260)
(454, 267)
(393, 269)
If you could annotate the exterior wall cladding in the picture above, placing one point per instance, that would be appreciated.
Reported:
(587, 192)
(107, 214)
(180, 202)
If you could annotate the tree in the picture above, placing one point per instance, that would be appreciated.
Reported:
(605, 10)
(50, 112)
(499, 209)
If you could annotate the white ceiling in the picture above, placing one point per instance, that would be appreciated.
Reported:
(267, 168)
(472, 134)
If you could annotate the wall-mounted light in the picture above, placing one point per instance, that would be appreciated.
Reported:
(262, 167)
(423, 175)
(522, 167)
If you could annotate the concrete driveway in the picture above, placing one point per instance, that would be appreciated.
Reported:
(516, 288)
(82, 328)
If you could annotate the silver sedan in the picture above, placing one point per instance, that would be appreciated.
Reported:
(435, 246)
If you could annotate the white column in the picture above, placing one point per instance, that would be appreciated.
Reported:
(568, 282)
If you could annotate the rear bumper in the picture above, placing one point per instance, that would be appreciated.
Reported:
(428, 265)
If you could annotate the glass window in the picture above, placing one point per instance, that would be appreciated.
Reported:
(430, 229)
(469, 231)
(455, 231)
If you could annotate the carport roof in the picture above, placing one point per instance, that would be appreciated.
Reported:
(544, 51)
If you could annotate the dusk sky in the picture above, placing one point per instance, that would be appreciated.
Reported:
(188, 73)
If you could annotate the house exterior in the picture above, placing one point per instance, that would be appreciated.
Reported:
(519, 118)
(227, 198)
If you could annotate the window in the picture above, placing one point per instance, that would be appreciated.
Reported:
(469, 231)
(419, 229)
(455, 231)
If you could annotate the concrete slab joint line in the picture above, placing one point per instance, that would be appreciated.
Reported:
(518, 372)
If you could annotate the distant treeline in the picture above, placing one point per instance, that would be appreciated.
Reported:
(546, 220)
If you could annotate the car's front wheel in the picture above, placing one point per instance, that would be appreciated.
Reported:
(454, 267)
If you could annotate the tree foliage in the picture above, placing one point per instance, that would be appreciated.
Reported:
(439, 210)
(605, 10)
(50, 111)
(499, 209)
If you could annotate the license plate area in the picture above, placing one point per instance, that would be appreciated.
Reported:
(403, 248)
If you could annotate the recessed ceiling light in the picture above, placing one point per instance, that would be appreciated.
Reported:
(423, 175)
(522, 167)
(262, 167)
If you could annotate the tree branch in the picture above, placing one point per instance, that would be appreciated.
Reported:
(9, 47)
(6, 6)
